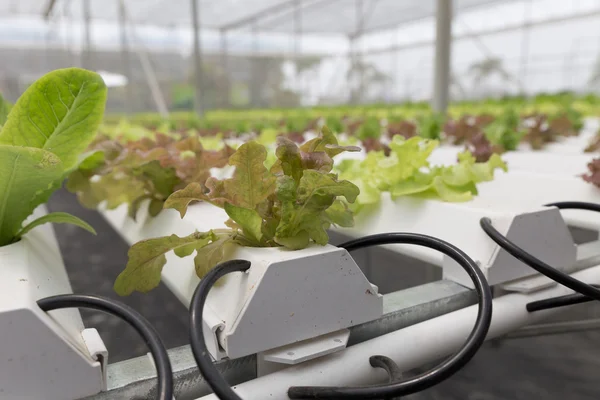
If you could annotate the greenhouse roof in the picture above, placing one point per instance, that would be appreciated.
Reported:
(277, 16)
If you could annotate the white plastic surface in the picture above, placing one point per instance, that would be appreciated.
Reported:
(42, 356)
(541, 162)
(539, 230)
(309, 349)
(286, 296)
(411, 347)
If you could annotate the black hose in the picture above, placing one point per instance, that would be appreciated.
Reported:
(537, 264)
(556, 302)
(574, 205)
(201, 354)
(443, 370)
(559, 301)
(133, 318)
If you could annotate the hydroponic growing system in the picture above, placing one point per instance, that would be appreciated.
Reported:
(233, 213)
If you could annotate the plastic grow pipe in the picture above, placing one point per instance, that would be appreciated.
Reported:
(410, 347)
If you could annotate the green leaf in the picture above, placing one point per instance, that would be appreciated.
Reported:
(296, 242)
(450, 194)
(147, 259)
(410, 186)
(155, 207)
(163, 180)
(406, 172)
(181, 199)
(4, 110)
(56, 218)
(91, 160)
(326, 142)
(28, 177)
(304, 209)
(60, 113)
(290, 160)
(210, 255)
(315, 187)
(251, 182)
(340, 215)
(249, 220)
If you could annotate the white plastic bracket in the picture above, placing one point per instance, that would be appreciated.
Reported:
(309, 349)
(97, 351)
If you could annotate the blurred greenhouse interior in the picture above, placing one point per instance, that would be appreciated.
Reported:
(290, 53)
(450, 114)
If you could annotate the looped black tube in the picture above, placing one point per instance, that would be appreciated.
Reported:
(133, 318)
(201, 354)
(444, 370)
(537, 264)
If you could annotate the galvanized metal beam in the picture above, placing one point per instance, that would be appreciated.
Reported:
(287, 6)
(49, 8)
(486, 32)
(197, 54)
(443, 64)
(136, 378)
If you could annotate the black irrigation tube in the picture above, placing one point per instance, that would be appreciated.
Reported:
(133, 318)
(395, 387)
(585, 292)
(201, 354)
(537, 264)
(559, 301)
(439, 373)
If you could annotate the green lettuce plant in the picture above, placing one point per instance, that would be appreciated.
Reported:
(406, 171)
(291, 205)
(41, 141)
(4, 109)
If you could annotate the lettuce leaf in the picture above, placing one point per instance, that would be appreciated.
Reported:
(60, 113)
(291, 204)
(43, 139)
(406, 172)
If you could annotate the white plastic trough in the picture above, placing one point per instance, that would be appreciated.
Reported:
(287, 298)
(539, 162)
(43, 356)
(539, 230)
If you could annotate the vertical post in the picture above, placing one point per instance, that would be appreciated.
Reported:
(87, 42)
(358, 56)
(197, 54)
(394, 55)
(225, 67)
(443, 41)
(525, 46)
(297, 36)
(125, 57)
(353, 69)
(255, 96)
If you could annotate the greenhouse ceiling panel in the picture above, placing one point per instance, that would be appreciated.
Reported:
(317, 16)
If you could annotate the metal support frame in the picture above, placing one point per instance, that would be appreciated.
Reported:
(556, 328)
(488, 32)
(151, 79)
(255, 97)
(125, 60)
(87, 35)
(442, 66)
(297, 39)
(136, 378)
(197, 55)
(487, 54)
(225, 68)
(49, 8)
(525, 38)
